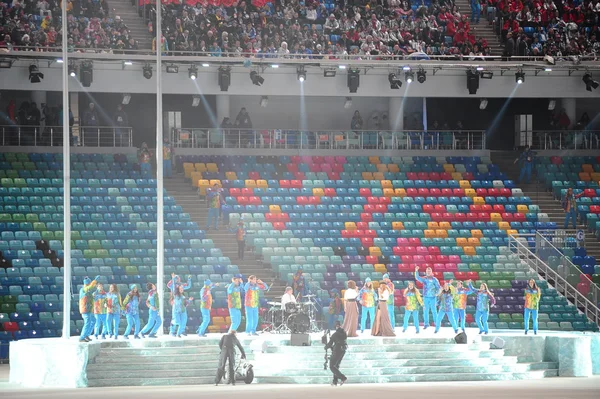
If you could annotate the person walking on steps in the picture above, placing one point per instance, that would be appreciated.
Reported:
(132, 312)
(532, 304)
(484, 299)
(569, 204)
(431, 288)
(527, 158)
(460, 302)
(114, 306)
(227, 345)
(86, 307)
(368, 299)
(234, 301)
(338, 345)
(205, 306)
(413, 301)
(446, 302)
(154, 320)
(240, 238)
(101, 327)
(214, 197)
(252, 302)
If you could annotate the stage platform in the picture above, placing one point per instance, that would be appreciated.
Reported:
(409, 357)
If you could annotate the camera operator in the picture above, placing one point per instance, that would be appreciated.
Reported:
(227, 345)
(337, 344)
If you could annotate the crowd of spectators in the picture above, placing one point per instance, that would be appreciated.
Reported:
(548, 27)
(35, 25)
(313, 29)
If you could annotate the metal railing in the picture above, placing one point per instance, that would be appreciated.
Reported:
(558, 278)
(327, 140)
(564, 139)
(52, 136)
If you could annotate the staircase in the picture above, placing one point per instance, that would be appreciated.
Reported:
(129, 15)
(483, 29)
(539, 196)
(188, 199)
(400, 359)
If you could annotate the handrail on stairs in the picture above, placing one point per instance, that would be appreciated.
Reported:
(521, 247)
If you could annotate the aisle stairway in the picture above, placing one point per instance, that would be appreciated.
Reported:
(129, 14)
(483, 29)
(223, 238)
(547, 203)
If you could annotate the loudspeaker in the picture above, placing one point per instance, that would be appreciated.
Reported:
(497, 343)
(461, 338)
(300, 340)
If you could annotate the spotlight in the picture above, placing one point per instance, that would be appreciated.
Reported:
(590, 83)
(301, 74)
(147, 71)
(406, 68)
(487, 75)
(172, 68)
(520, 77)
(35, 76)
(483, 103)
(59, 60)
(348, 102)
(86, 74)
(353, 80)
(72, 71)
(395, 82)
(472, 81)
(421, 75)
(126, 99)
(329, 72)
(224, 78)
(551, 105)
(205, 65)
(193, 72)
(264, 100)
(342, 66)
(127, 63)
(409, 77)
(275, 66)
(195, 101)
(256, 78)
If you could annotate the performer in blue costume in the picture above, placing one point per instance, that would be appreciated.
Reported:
(205, 306)
(154, 320)
(431, 288)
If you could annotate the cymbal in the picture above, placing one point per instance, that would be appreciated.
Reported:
(309, 296)
(308, 303)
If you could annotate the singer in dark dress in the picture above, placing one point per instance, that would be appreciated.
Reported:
(337, 344)
(227, 345)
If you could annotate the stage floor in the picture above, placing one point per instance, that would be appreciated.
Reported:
(548, 388)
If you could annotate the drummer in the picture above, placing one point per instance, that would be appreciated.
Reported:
(288, 297)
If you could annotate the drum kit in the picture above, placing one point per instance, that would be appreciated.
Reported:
(293, 317)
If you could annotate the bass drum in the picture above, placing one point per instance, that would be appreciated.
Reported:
(298, 323)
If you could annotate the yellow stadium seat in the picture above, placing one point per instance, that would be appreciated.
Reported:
(397, 225)
(392, 167)
(461, 241)
(445, 225)
(367, 176)
(503, 226)
(448, 168)
(375, 251)
(318, 192)
(587, 168)
(477, 233)
(400, 192)
(262, 184)
(382, 167)
(231, 175)
(464, 183)
(433, 225)
(386, 184)
(469, 192)
(469, 251)
(388, 192)
(212, 167)
(584, 176)
(478, 201)
(441, 233)
(429, 233)
(380, 268)
(195, 177)
(250, 183)
(218, 321)
(200, 167)
(274, 209)
(474, 242)
(212, 182)
(378, 176)
(512, 232)
(522, 208)
(495, 217)
(456, 176)
(350, 226)
(202, 186)
(188, 168)
(595, 176)
(374, 160)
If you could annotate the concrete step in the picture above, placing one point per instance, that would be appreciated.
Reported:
(145, 381)
(403, 348)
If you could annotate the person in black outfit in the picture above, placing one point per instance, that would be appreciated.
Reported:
(4, 263)
(227, 345)
(337, 344)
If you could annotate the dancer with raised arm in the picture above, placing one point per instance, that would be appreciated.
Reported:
(234, 301)
(252, 302)
(431, 289)
(179, 312)
(382, 326)
(101, 327)
(413, 301)
(532, 304)
(154, 320)
(446, 303)
(114, 307)
(205, 306)
(368, 299)
(460, 302)
(350, 310)
(86, 307)
(484, 299)
(175, 282)
(132, 312)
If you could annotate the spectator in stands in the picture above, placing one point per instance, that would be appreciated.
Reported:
(244, 122)
(569, 204)
(144, 157)
(527, 159)
(357, 121)
(214, 197)
(90, 122)
(4, 263)
(240, 237)
(120, 121)
(167, 158)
